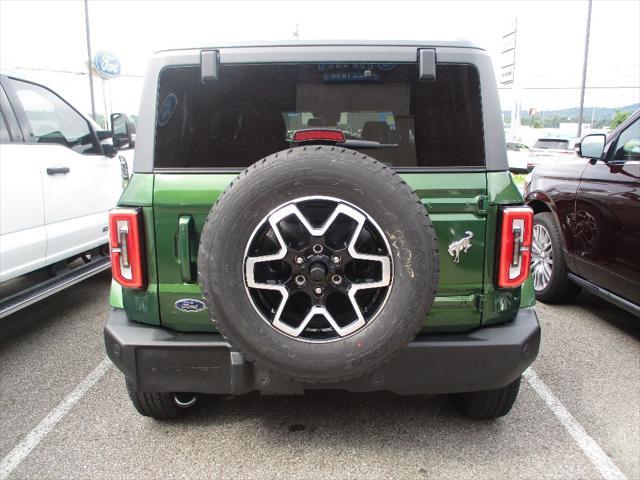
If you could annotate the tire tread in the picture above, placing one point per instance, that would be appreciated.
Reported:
(487, 404)
(158, 405)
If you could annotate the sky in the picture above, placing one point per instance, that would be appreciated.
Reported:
(37, 37)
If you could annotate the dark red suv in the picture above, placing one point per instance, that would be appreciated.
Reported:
(587, 220)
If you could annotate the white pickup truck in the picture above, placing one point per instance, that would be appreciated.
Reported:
(59, 176)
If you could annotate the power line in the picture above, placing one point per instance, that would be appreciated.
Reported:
(53, 70)
(89, 59)
(584, 70)
(601, 87)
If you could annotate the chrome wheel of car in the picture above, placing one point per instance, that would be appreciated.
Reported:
(318, 269)
(541, 257)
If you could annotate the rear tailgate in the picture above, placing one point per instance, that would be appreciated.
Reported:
(455, 202)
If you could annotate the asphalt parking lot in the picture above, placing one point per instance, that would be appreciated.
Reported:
(52, 353)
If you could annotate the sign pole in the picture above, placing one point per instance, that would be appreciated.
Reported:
(584, 71)
(89, 59)
(516, 112)
(104, 101)
(508, 55)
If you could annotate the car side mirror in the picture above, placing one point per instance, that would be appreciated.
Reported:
(123, 131)
(591, 146)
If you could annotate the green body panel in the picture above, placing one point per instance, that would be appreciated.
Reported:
(190, 198)
(452, 202)
(456, 202)
(527, 294)
(139, 191)
(115, 295)
(453, 313)
(142, 305)
(498, 305)
(177, 319)
(502, 190)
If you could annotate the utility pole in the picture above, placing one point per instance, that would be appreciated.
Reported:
(584, 69)
(89, 60)
(508, 75)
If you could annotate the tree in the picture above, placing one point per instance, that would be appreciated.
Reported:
(551, 122)
(618, 118)
(536, 123)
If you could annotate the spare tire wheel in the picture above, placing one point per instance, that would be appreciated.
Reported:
(318, 263)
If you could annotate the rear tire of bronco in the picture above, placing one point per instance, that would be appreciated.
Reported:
(158, 405)
(558, 286)
(318, 263)
(487, 404)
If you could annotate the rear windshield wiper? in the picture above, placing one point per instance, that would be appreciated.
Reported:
(366, 144)
(336, 137)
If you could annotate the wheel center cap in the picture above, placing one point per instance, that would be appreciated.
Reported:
(317, 271)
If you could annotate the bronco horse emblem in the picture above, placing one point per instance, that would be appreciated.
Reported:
(462, 245)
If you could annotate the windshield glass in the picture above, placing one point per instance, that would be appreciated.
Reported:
(252, 111)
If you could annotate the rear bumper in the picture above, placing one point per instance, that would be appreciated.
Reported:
(160, 360)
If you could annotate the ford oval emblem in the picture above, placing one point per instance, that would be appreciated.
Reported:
(190, 305)
(107, 65)
(166, 109)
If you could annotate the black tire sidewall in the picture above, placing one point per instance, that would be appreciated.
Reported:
(332, 172)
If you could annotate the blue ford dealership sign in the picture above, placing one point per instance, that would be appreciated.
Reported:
(107, 65)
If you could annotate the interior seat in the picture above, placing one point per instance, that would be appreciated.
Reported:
(315, 122)
(376, 132)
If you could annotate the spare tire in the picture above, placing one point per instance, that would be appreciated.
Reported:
(318, 263)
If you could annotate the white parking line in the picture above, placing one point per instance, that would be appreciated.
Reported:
(589, 446)
(20, 451)
(591, 449)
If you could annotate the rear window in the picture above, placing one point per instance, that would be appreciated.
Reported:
(252, 111)
(552, 143)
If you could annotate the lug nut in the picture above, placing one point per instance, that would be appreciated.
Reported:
(336, 279)
(299, 260)
(300, 280)
(317, 248)
(317, 290)
(335, 259)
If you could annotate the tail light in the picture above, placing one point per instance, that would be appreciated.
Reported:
(515, 246)
(125, 240)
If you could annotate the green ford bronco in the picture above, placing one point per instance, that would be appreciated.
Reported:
(321, 216)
